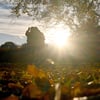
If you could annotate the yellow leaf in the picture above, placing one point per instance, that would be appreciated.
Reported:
(31, 69)
(41, 74)
(32, 91)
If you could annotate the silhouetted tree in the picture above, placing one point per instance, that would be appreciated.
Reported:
(35, 38)
(6, 51)
(9, 45)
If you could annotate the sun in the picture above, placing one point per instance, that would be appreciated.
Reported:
(59, 36)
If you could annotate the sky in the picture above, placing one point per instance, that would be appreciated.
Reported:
(16, 27)
(10, 25)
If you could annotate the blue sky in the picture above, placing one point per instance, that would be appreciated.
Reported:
(13, 26)
(10, 25)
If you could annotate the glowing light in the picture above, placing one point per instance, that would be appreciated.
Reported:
(59, 35)
(80, 98)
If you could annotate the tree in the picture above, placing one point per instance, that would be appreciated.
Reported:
(35, 47)
(9, 45)
(74, 13)
(35, 38)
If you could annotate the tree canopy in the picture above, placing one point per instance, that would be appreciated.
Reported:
(74, 13)
(35, 37)
(9, 45)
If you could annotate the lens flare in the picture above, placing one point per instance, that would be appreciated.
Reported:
(59, 35)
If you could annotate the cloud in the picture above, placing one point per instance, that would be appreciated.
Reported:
(16, 39)
(10, 24)
(5, 6)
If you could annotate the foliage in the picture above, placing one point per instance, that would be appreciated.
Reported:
(75, 13)
(9, 45)
(35, 37)
(84, 81)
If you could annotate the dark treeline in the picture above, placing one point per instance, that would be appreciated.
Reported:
(37, 52)
(31, 52)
